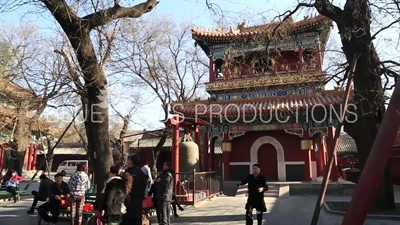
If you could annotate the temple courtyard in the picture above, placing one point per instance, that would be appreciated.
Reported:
(221, 210)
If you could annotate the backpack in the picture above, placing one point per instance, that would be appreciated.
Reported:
(145, 220)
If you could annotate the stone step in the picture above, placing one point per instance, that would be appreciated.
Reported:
(273, 192)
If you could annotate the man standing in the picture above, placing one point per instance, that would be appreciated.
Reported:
(164, 195)
(133, 215)
(146, 170)
(43, 194)
(257, 185)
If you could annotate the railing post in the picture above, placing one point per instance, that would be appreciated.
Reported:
(194, 186)
(210, 186)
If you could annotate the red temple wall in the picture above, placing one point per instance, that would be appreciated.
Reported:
(291, 144)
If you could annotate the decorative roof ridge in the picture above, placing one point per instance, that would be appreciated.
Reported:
(322, 93)
(259, 28)
(285, 75)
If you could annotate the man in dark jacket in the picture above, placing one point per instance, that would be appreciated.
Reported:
(59, 190)
(257, 185)
(164, 194)
(133, 204)
(43, 193)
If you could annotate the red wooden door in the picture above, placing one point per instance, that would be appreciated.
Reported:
(268, 161)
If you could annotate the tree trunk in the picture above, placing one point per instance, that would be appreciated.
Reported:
(355, 32)
(123, 149)
(95, 104)
(49, 155)
(157, 149)
(21, 138)
(99, 149)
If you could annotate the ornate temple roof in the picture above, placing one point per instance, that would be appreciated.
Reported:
(15, 91)
(206, 108)
(289, 25)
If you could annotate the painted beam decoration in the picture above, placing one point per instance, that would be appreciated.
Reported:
(271, 92)
(265, 81)
(295, 131)
(316, 127)
(308, 40)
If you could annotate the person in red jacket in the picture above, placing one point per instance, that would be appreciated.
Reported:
(12, 180)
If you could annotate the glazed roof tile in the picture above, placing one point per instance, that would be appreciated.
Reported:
(262, 105)
(288, 25)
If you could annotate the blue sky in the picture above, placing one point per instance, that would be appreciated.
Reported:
(195, 11)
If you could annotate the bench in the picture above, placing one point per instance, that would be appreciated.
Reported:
(87, 216)
(5, 195)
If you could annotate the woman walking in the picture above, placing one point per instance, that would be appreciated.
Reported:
(79, 183)
(115, 192)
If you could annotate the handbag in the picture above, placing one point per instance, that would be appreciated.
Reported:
(147, 203)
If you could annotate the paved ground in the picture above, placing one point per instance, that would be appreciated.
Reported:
(295, 210)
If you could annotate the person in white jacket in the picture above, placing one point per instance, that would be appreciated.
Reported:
(146, 170)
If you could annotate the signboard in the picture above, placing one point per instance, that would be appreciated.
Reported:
(267, 126)
(263, 94)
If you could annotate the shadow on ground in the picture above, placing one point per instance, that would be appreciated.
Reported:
(208, 219)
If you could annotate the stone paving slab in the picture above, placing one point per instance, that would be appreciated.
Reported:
(295, 210)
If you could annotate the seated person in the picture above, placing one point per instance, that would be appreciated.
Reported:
(58, 190)
(44, 192)
(11, 180)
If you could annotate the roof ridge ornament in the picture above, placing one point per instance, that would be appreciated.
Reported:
(241, 26)
(233, 31)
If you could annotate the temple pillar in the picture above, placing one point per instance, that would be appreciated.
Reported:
(318, 56)
(29, 153)
(175, 146)
(1, 157)
(212, 74)
(329, 143)
(34, 161)
(212, 154)
(205, 164)
(306, 146)
(321, 157)
(226, 149)
(197, 133)
(300, 66)
(226, 71)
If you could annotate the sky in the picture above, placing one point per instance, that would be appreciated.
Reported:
(195, 11)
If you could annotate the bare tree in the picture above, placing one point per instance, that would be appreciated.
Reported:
(32, 78)
(162, 62)
(78, 19)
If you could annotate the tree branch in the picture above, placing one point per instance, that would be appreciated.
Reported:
(105, 16)
(325, 8)
(385, 28)
(62, 13)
